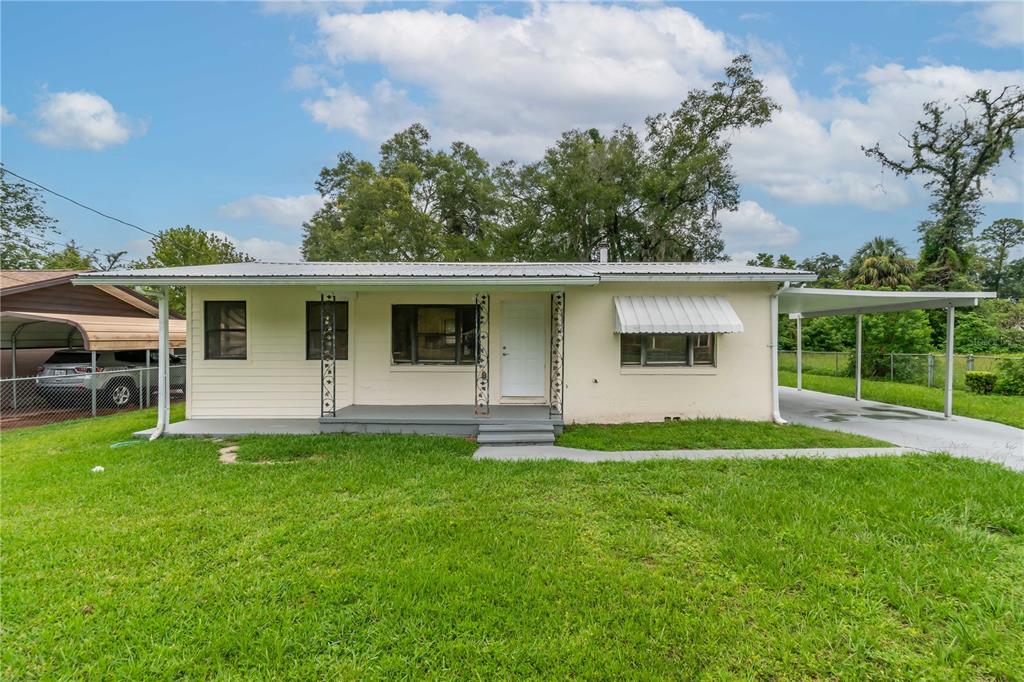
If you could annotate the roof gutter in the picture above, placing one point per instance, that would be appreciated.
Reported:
(338, 281)
(710, 278)
(405, 280)
(773, 345)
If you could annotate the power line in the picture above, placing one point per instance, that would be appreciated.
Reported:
(78, 203)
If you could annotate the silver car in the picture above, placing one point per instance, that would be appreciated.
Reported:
(67, 377)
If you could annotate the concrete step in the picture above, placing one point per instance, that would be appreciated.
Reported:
(517, 438)
(506, 427)
(516, 433)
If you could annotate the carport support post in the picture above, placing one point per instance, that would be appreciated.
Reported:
(799, 355)
(14, 371)
(949, 362)
(860, 338)
(92, 364)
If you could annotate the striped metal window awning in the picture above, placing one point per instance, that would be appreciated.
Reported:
(675, 315)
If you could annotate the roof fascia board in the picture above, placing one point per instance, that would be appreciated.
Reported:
(709, 277)
(129, 297)
(383, 282)
(889, 308)
(42, 284)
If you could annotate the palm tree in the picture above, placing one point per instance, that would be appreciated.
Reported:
(881, 262)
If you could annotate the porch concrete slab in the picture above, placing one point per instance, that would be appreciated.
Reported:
(906, 426)
(443, 413)
(221, 428)
(519, 453)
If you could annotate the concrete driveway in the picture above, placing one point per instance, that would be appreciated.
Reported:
(906, 426)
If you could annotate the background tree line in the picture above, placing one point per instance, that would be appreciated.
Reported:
(650, 195)
(654, 194)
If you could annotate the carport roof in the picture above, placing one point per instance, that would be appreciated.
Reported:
(97, 332)
(807, 302)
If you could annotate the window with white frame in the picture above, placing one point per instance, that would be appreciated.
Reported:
(660, 350)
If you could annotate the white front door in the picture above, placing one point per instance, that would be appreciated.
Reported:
(522, 349)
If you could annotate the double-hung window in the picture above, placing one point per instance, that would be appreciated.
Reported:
(653, 350)
(225, 330)
(313, 330)
(433, 334)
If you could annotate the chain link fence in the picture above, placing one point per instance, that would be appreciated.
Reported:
(73, 394)
(926, 369)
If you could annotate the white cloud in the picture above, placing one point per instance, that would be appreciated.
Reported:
(267, 250)
(385, 111)
(502, 82)
(82, 120)
(510, 85)
(750, 226)
(811, 152)
(7, 117)
(1000, 24)
(742, 256)
(289, 211)
(755, 16)
(1000, 189)
(305, 77)
(270, 250)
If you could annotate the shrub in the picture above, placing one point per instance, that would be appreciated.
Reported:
(980, 382)
(1011, 377)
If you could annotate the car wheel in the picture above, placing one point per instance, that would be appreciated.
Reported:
(122, 393)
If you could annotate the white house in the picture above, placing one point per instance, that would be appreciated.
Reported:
(495, 349)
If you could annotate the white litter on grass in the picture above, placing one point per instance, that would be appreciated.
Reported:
(98, 469)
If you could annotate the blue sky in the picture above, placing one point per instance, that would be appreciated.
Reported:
(221, 115)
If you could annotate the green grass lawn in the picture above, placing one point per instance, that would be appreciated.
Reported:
(1005, 409)
(382, 556)
(698, 434)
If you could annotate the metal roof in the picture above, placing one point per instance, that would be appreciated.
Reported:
(57, 329)
(675, 315)
(447, 273)
(807, 302)
(12, 281)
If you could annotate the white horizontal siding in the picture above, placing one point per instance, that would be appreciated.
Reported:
(275, 379)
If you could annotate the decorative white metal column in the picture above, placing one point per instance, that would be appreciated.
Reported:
(860, 338)
(328, 378)
(799, 355)
(949, 361)
(557, 389)
(482, 383)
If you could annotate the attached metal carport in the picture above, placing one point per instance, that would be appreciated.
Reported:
(28, 330)
(804, 303)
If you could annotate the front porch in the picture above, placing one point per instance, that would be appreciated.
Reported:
(505, 423)
(522, 423)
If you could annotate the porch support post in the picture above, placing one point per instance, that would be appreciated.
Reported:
(860, 338)
(482, 384)
(557, 389)
(328, 383)
(949, 361)
(799, 354)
